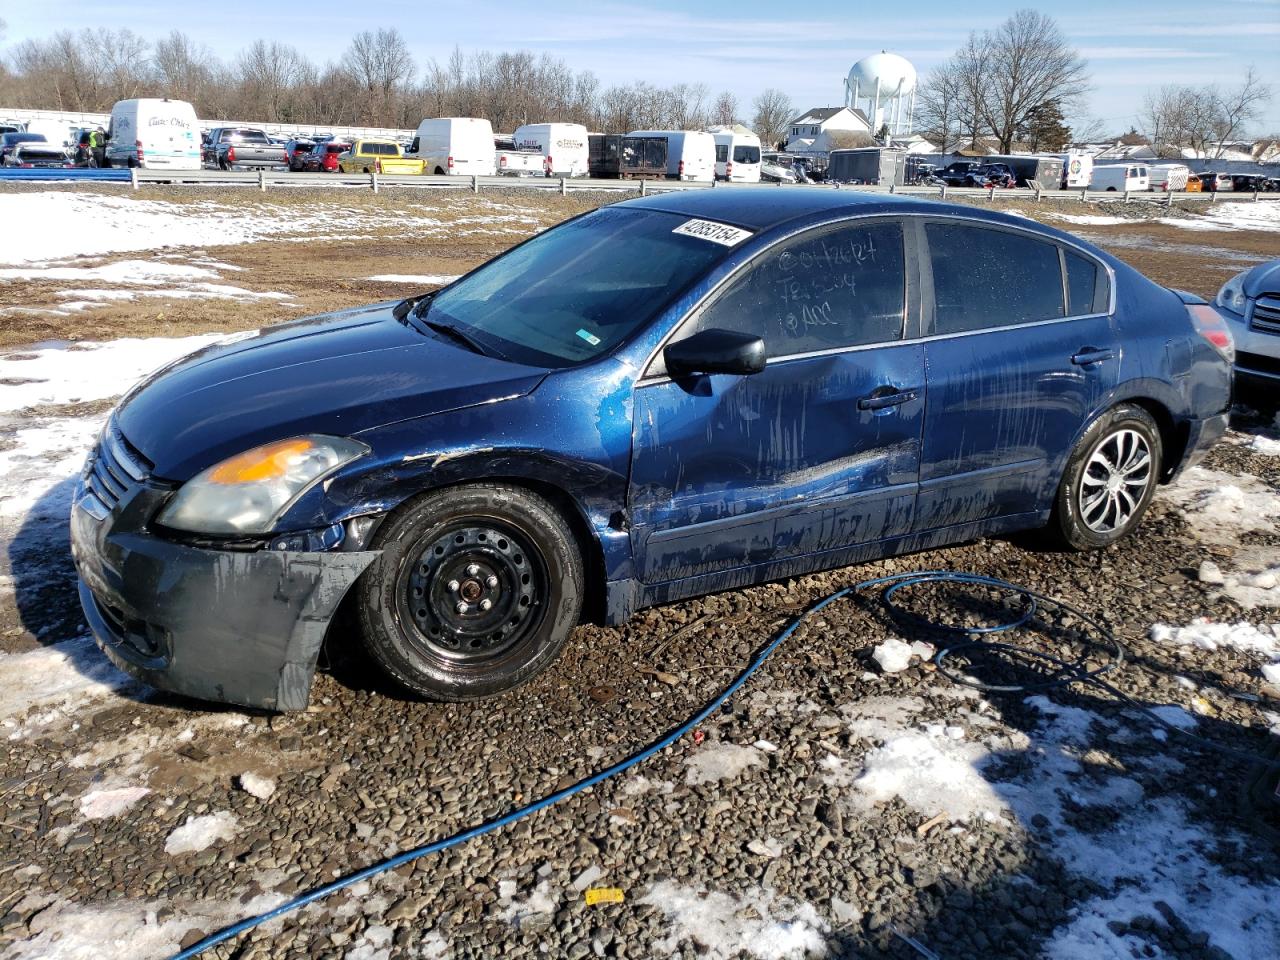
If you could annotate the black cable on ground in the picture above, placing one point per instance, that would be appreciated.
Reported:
(1058, 672)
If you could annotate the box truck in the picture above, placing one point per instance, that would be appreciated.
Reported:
(563, 147)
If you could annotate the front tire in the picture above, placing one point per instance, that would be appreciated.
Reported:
(475, 593)
(1109, 480)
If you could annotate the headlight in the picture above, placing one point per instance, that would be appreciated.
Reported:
(248, 492)
(1231, 296)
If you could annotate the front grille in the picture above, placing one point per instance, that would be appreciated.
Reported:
(1257, 363)
(1266, 313)
(118, 467)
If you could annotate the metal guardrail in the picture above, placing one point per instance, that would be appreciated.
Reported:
(282, 179)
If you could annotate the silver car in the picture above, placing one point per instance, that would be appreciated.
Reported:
(1250, 302)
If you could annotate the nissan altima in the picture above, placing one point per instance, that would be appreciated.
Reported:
(662, 398)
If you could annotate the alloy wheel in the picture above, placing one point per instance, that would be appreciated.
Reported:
(1115, 480)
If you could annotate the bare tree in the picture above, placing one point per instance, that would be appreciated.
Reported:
(381, 65)
(184, 70)
(940, 106)
(1029, 63)
(1202, 119)
(773, 112)
(725, 110)
(269, 76)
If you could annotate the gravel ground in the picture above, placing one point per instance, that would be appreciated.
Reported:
(831, 808)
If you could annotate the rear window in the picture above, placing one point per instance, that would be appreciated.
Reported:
(246, 136)
(335, 148)
(746, 154)
(986, 278)
(722, 152)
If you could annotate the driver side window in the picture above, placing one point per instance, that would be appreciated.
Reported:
(825, 289)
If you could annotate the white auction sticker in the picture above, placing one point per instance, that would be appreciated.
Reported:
(720, 233)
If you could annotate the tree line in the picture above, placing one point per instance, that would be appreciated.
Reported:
(1014, 84)
(376, 82)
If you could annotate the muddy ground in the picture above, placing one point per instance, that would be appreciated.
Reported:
(751, 839)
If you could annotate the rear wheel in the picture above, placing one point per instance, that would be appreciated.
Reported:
(1109, 481)
(476, 591)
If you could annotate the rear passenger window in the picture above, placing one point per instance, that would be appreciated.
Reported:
(839, 287)
(991, 278)
(1085, 294)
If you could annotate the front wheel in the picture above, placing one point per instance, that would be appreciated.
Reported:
(1109, 481)
(475, 592)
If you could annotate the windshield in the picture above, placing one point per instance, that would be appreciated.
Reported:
(746, 154)
(577, 291)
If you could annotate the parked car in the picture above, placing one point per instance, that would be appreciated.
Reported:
(324, 157)
(999, 175)
(455, 146)
(10, 140)
(563, 147)
(1248, 182)
(1216, 182)
(691, 154)
(153, 133)
(1193, 184)
(1116, 177)
(1250, 302)
(243, 148)
(737, 156)
(296, 151)
(654, 400)
(963, 173)
(372, 155)
(37, 155)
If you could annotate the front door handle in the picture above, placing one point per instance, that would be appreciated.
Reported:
(1091, 355)
(885, 397)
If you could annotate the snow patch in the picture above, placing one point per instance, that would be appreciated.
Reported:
(199, 833)
(931, 774)
(55, 676)
(427, 279)
(1205, 634)
(97, 804)
(257, 786)
(714, 762)
(723, 926)
(1221, 507)
(540, 900)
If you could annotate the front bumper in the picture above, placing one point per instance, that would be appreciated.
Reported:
(230, 626)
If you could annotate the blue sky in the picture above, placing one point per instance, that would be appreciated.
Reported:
(753, 46)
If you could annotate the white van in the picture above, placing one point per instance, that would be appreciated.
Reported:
(691, 154)
(1120, 176)
(1077, 169)
(562, 145)
(737, 156)
(461, 146)
(159, 134)
(1169, 176)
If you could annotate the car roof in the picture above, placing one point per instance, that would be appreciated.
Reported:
(762, 208)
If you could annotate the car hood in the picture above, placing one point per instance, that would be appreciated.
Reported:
(1264, 278)
(338, 374)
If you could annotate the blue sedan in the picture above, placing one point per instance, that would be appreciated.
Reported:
(659, 399)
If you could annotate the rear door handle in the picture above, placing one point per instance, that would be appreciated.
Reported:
(886, 397)
(1090, 355)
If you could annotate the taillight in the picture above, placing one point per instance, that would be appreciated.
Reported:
(502, 161)
(138, 145)
(547, 165)
(728, 170)
(231, 154)
(449, 163)
(1210, 325)
(680, 169)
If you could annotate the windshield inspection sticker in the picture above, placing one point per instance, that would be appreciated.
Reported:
(720, 233)
(591, 338)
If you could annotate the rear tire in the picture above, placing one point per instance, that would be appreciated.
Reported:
(1109, 480)
(475, 592)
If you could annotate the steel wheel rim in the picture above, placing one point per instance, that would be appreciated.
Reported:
(1114, 481)
(474, 592)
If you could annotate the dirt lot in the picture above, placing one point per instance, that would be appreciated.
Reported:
(831, 809)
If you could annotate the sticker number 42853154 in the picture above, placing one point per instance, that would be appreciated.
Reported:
(720, 233)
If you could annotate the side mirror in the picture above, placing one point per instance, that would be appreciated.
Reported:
(715, 351)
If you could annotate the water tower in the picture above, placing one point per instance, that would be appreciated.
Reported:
(883, 85)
